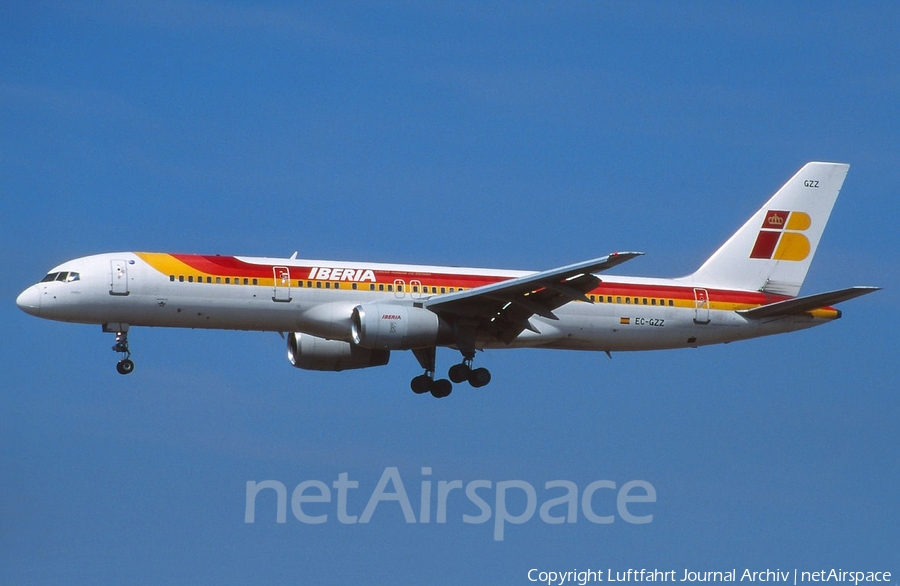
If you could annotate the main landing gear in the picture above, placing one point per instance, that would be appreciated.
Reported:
(125, 365)
(477, 377)
(425, 383)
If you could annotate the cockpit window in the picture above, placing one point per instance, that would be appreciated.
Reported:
(64, 276)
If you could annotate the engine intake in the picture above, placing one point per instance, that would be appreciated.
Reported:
(388, 326)
(312, 353)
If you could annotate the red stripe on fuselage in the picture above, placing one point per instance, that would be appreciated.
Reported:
(229, 266)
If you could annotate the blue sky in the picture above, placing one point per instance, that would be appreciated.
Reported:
(516, 136)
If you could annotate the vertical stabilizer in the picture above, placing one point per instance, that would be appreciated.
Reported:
(772, 251)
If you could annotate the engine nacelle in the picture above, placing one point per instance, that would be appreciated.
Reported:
(312, 353)
(388, 326)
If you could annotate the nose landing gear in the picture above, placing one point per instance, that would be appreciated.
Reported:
(125, 364)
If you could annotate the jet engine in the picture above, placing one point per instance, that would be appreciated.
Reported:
(388, 326)
(312, 353)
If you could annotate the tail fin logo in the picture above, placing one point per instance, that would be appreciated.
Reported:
(781, 236)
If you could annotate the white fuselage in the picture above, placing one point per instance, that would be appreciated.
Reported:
(628, 313)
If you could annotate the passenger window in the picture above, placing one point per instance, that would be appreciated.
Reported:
(618, 300)
(390, 287)
(181, 278)
(172, 278)
(218, 280)
(381, 286)
(228, 280)
(671, 303)
(628, 300)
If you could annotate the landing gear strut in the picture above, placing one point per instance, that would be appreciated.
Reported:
(125, 365)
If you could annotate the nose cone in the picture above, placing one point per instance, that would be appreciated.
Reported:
(29, 300)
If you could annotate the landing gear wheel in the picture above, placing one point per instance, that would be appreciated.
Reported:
(479, 377)
(125, 366)
(459, 372)
(441, 388)
(421, 384)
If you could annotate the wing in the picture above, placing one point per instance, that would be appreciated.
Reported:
(801, 305)
(503, 309)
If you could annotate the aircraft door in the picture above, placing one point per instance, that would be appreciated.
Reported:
(118, 277)
(701, 306)
(282, 291)
(399, 288)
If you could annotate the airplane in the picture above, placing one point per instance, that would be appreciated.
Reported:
(351, 315)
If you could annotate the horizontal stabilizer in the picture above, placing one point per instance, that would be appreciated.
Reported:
(803, 304)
